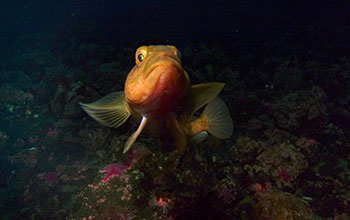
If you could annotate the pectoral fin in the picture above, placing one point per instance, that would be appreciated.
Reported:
(111, 110)
(134, 136)
(202, 94)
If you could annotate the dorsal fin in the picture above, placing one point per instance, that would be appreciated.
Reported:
(203, 93)
(111, 110)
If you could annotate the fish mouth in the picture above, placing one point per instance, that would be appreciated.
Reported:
(163, 63)
(164, 82)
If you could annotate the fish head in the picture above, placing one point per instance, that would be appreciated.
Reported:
(158, 81)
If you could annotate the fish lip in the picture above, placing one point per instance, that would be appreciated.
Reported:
(176, 63)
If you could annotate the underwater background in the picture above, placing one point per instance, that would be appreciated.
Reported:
(286, 66)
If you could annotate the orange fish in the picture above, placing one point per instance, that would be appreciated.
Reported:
(157, 93)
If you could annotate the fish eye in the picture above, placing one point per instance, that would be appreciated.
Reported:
(140, 57)
(178, 54)
(141, 54)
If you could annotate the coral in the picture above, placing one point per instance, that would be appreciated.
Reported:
(280, 158)
(329, 195)
(27, 157)
(246, 149)
(245, 145)
(110, 200)
(59, 101)
(62, 132)
(18, 79)
(289, 76)
(14, 96)
(3, 140)
(50, 177)
(161, 205)
(95, 138)
(65, 101)
(72, 109)
(283, 162)
(291, 134)
(308, 146)
(35, 61)
(226, 190)
(54, 73)
(341, 217)
(302, 112)
(278, 205)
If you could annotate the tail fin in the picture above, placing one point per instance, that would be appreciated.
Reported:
(218, 117)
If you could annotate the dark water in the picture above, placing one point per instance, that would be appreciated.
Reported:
(286, 70)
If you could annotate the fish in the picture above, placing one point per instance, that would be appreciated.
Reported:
(158, 95)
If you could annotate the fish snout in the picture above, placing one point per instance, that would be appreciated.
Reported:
(163, 65)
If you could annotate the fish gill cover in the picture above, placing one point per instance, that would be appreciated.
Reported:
(286, 71)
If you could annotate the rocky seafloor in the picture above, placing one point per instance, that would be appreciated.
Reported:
(288, 157)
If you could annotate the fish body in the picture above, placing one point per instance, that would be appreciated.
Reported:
(157, 93)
